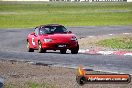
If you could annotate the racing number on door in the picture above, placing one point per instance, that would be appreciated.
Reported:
(33, 42)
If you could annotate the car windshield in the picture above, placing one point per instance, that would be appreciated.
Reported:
(53, 29)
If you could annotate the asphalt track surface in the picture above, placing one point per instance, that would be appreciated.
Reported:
(13, 47)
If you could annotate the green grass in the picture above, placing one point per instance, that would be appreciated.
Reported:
(36, 85)
(124, 42)
(69, 14)
(29, 85)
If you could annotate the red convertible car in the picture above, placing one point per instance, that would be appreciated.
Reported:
(52, 37)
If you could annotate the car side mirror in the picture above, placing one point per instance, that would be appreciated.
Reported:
(32, 33)
(69, 32)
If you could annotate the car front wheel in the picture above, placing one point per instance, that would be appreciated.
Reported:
(63, 51)
(75, 50)
(28, 47)
(40, 49)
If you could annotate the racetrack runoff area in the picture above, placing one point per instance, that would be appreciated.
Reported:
(93, 15)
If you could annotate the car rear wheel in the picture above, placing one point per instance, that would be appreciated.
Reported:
(63, 51)
(28, 48)
(40, 49)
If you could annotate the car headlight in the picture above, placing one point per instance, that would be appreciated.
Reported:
(47, 40)
(73, 39)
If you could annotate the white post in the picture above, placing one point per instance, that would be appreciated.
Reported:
(90, 0)
(129, 0)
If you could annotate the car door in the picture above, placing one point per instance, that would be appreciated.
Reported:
(34, 39)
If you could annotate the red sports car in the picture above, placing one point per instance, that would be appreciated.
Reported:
(52, 37)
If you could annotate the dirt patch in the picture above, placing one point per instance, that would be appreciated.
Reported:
(19, 74)
(90, 42)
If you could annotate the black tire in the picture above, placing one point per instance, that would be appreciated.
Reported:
(28, 48)
(81, 80)
(63, 51)
(75, 50)
(40, 49)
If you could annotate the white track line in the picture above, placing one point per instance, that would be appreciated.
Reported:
(91, 36)
(105, 52)
(126, 33)
(128, 54)
(110, 34)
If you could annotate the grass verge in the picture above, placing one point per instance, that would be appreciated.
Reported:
(124, 42)
(30, 84)
(20, 15)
